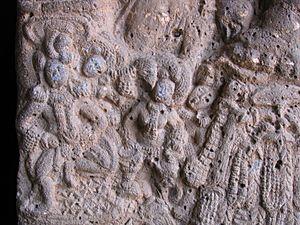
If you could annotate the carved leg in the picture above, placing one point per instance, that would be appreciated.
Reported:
(88, 166)
(47, 193)
(43, 167)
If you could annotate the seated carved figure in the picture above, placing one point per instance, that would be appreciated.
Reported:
(93, 153)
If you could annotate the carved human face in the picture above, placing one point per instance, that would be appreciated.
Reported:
(56, 74)
(94, 66)
(234, 90)
(201, 97)
(164, 91)
(61, 42)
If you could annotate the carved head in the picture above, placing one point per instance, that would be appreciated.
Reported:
(163, 91)
(234, 90)
(56, 74)
(62, 44)
(94, 66)
(201, 97)
(59, 46)
(147, 70)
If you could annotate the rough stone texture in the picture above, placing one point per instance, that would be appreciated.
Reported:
(159, 112)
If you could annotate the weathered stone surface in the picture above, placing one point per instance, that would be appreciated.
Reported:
(159, 112)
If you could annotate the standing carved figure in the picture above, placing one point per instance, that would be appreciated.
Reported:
(49, 105)
(156, 125)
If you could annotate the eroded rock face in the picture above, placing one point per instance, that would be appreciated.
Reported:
(159, 112)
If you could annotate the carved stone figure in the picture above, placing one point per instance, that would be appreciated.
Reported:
(147, 112)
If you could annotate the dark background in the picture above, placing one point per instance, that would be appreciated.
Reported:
(9, 147)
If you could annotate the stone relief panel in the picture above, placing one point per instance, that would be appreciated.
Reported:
(151, 112)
